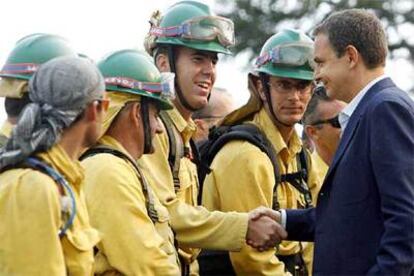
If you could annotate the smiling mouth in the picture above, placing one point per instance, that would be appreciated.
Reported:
(203, 85)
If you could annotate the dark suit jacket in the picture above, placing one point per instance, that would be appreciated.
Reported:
(364, 219)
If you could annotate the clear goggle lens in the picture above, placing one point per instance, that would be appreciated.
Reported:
(168, 85)
(205, 28)
(288, 55)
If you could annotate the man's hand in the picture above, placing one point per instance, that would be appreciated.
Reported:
(264, 211)
(264, 230)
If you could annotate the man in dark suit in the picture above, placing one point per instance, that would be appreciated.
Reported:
(364, 219)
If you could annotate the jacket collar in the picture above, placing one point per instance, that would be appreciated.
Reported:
(263, 121)
(60, 161)
(186, 129)
(114, 144)
(6, 129)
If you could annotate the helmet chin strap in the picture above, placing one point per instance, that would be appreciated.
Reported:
(146, 125)
(181, 98)
(265, 83)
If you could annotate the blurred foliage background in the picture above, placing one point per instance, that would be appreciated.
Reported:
(257, 20)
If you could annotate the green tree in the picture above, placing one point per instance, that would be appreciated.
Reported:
(256, 20)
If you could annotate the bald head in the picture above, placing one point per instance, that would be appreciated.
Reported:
(220, 104)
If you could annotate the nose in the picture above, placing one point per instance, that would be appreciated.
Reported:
(317, 74)
(295, 94)
(158, 127)
(209, 66)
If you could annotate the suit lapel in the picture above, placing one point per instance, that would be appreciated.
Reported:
(354, 121)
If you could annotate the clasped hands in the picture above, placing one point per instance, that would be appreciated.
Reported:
(264, 229)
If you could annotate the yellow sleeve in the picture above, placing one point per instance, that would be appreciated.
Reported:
(241, 180)
(30, 213)
(197, 227)
(194, 226)
(117, 209)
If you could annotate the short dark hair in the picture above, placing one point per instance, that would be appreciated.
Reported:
(15, 106)
(312, 114)
(160, 49)
(359, 28)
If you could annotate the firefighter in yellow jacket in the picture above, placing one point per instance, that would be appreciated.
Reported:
(243, 176)
(27, 55)
(44, 227)
(137, 238)
(186, 41)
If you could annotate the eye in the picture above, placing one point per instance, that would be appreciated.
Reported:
(285, 85)
(198, 58)
(304, 85)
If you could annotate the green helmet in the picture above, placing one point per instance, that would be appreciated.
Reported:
(33, 50)
(287, 54)
(132, 71)
(193, 25)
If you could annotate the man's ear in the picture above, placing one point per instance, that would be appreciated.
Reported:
(134, 113)
(91, 112)
(353, 56)
(162, 62)
(259, 86)
(311, 132)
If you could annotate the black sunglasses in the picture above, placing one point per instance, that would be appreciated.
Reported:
(334, 122)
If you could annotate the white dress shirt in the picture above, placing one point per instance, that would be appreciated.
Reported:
(346, 113)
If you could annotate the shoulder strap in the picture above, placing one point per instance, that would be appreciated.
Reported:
(220, 136)
(299, 179)
(36, 164)
(176, 151)
(304, 161)
(3, 140)
(149, 200)
(252, 134)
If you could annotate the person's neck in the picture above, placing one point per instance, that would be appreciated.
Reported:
(73, 144)
(130, 143)
(12, 120)
(185, 113)
(285, 131)
(361, 79)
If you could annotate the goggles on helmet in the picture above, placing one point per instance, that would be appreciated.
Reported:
(19, 68)
(205, 28)
(165, 88)
(296, 54)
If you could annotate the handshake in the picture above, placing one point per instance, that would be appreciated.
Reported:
(264, 229)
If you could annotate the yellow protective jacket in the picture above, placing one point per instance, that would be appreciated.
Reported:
(30, 215)
(132, 243)
(320, 165)
(242, 179)
(5, 132)
(194, 226)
